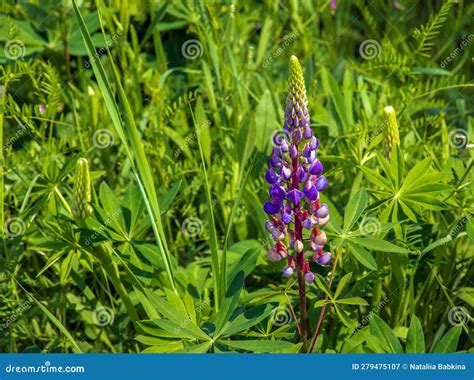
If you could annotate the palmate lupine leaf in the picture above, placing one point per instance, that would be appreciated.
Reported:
(131, 140)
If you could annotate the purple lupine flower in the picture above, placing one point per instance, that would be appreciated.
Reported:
(295, 183)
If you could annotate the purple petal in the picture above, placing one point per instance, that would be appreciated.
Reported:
(321, 183)
(316, 168)
(312, 157)
(286, 173)
(295, 196)
(298, 134)
(301, 173)
(308, 133)
(306, 150)
(286, 217)
(294, 151)
(277, 191)
(271, 176)
(275, 162)
(270, 208)
(310, 191)
(307, 223)
(314, 143)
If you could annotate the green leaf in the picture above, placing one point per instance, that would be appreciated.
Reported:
(470, 229)
(449, 342)
(200, 348)
(247, 319)
(169, 197)
(179, 319)
(342, 283)
(245, 140)
(417, 172)
(321, 283)
(331, 88)
(344, 317)
(261, 346)
(415, 337)
(265, 121)
(230, 302)
(362, 255)
(203, 126)
(172, 329)
(265, 36)
(354, 209)
(246, 263)
(379, 245)
(381, 330)
(376, 178)
(352, 301)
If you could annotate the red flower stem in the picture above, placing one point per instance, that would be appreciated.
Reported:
(293, 314)
(300, 262)
(323, 309)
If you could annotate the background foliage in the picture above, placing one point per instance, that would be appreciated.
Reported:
(174, 105)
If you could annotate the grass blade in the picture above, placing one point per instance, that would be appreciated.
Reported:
(131, 140)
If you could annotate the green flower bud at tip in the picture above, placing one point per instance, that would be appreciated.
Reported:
(296, 86)
(392, 136)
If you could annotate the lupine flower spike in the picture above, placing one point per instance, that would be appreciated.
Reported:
(392, 136)
(295, 178)
(82, 190)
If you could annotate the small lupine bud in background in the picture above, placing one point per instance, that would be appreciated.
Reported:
(323, 211)
(321, 222)
(325, 259)
(290, 268)
(392, 136)
(308, 275)
(82, 190)
(288, 271)
(321, 238)
(298, 245)
(281, 249)
(273, 255)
